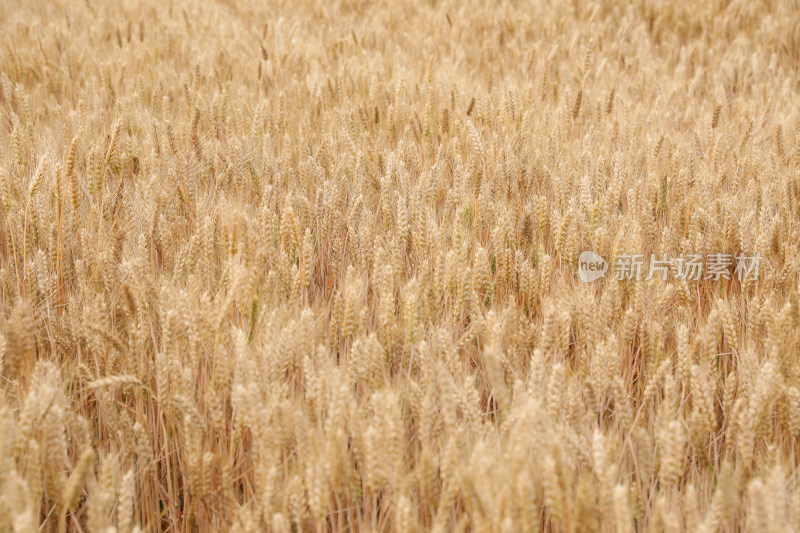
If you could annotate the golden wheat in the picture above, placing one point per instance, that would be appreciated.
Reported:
(314, 266)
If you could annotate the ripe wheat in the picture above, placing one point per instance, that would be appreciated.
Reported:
(312, 266)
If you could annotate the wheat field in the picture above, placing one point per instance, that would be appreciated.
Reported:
(315, 266)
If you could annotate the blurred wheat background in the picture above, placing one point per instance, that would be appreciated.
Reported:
(311, 266)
